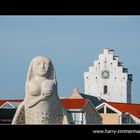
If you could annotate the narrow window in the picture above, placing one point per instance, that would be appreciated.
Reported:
(105, 89)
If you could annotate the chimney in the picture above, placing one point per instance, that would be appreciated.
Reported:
(75, 94)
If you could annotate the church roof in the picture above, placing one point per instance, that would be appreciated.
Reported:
(133, 109)
(74, 103)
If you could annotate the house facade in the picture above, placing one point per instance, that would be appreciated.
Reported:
(7, 110)
(119, 113)
(82, 111)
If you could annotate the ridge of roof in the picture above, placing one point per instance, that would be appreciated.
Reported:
(123, 103)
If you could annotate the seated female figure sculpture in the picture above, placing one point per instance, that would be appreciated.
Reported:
(41, 104)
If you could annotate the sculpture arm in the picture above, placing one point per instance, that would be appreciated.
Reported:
(37, 100)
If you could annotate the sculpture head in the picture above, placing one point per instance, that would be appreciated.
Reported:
(41, 66)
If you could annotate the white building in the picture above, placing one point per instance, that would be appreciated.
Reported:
(108, 79)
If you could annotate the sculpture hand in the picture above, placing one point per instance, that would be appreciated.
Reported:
(37, 100)
(42, 96)
(48, 94)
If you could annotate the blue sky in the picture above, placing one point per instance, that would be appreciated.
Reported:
(72, 42)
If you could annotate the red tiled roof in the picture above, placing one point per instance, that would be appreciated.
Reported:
(4, 101)
(74, 103)
(133, 109)
(68, 103)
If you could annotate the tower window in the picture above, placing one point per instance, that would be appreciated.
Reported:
(105, 89)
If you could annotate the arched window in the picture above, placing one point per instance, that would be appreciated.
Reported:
(105, 89)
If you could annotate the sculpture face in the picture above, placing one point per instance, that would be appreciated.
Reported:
(40, 67)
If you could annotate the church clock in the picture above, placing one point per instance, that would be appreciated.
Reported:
(105, 74)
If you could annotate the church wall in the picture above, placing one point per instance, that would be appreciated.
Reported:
(117, 85)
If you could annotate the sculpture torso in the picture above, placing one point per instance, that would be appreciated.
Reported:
(47, 110)
(36, 88)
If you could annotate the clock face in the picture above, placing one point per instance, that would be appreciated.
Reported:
(105, 74)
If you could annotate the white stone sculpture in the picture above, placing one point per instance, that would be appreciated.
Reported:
(41, 104)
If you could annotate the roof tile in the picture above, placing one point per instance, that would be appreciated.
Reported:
(133, 109)
(74, 103)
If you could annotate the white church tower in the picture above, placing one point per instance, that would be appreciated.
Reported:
(108, 79)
